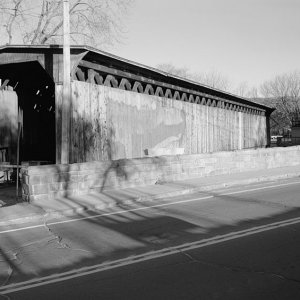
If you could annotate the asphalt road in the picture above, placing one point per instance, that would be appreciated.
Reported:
(237, 243)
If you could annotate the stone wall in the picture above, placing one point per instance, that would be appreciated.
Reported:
(46, 182)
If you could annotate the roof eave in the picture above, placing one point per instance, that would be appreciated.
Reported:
(139, 65)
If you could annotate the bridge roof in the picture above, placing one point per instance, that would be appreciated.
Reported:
(80, 53)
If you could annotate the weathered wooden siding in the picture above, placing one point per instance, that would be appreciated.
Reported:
(109, 123)
(9, 122)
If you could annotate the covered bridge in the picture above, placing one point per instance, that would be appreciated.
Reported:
(121, 109)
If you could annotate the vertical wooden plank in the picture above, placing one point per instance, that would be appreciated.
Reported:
(230, 124)
(74, 124)
(228, 135)
(126, 115)
(199, 127)
(215, 129)
(241, 130)
(252, 124)
(247, 141)
(211, 122)
(236, 130)
(194, 124)
(231, 128)
(58, 120)
(188, 126)
(87, 122)
(190, 135)
(213, 133)
(94, 119)
(206, 129)
(248, 131)
(244, 122)
(225, 130)
(229, 141)
(220, 129)
(210, 134)
(97, 120)
(202, 124)
(81, 96)
(103, 123)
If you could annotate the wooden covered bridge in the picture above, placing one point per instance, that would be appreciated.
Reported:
(120, 109)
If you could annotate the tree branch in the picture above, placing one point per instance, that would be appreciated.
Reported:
(38, 29)
(12, 19)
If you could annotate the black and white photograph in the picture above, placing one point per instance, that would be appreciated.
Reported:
(149, 150)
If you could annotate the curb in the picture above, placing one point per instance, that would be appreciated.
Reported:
(217, 186)
(185, 191)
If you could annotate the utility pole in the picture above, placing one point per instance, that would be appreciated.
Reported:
(66, 101)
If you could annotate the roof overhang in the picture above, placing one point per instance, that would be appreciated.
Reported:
(141, 69)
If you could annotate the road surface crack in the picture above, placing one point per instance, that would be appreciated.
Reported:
(57, 237)
(59, 240)
(240, 269)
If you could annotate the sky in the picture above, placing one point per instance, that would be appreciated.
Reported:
(245, 40)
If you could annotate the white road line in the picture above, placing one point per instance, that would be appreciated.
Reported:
(146, 207)
(28, 284)
(261, 188)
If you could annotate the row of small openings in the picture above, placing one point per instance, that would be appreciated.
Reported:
(92, 76)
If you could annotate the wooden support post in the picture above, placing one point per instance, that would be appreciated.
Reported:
(241, 131)
(20, 124)
(66, 101)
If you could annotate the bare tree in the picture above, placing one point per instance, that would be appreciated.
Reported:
(252, 93)
(283, 93)
(244, 90)
(93, 22)
(177, 71)
(213, 79)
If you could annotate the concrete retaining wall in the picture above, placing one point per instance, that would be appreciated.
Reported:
(45, 182)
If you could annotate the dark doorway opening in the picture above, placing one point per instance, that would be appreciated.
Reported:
(36, 99)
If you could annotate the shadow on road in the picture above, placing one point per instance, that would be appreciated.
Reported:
(129, 229)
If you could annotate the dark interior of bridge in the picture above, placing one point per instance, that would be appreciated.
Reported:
(36, 99)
